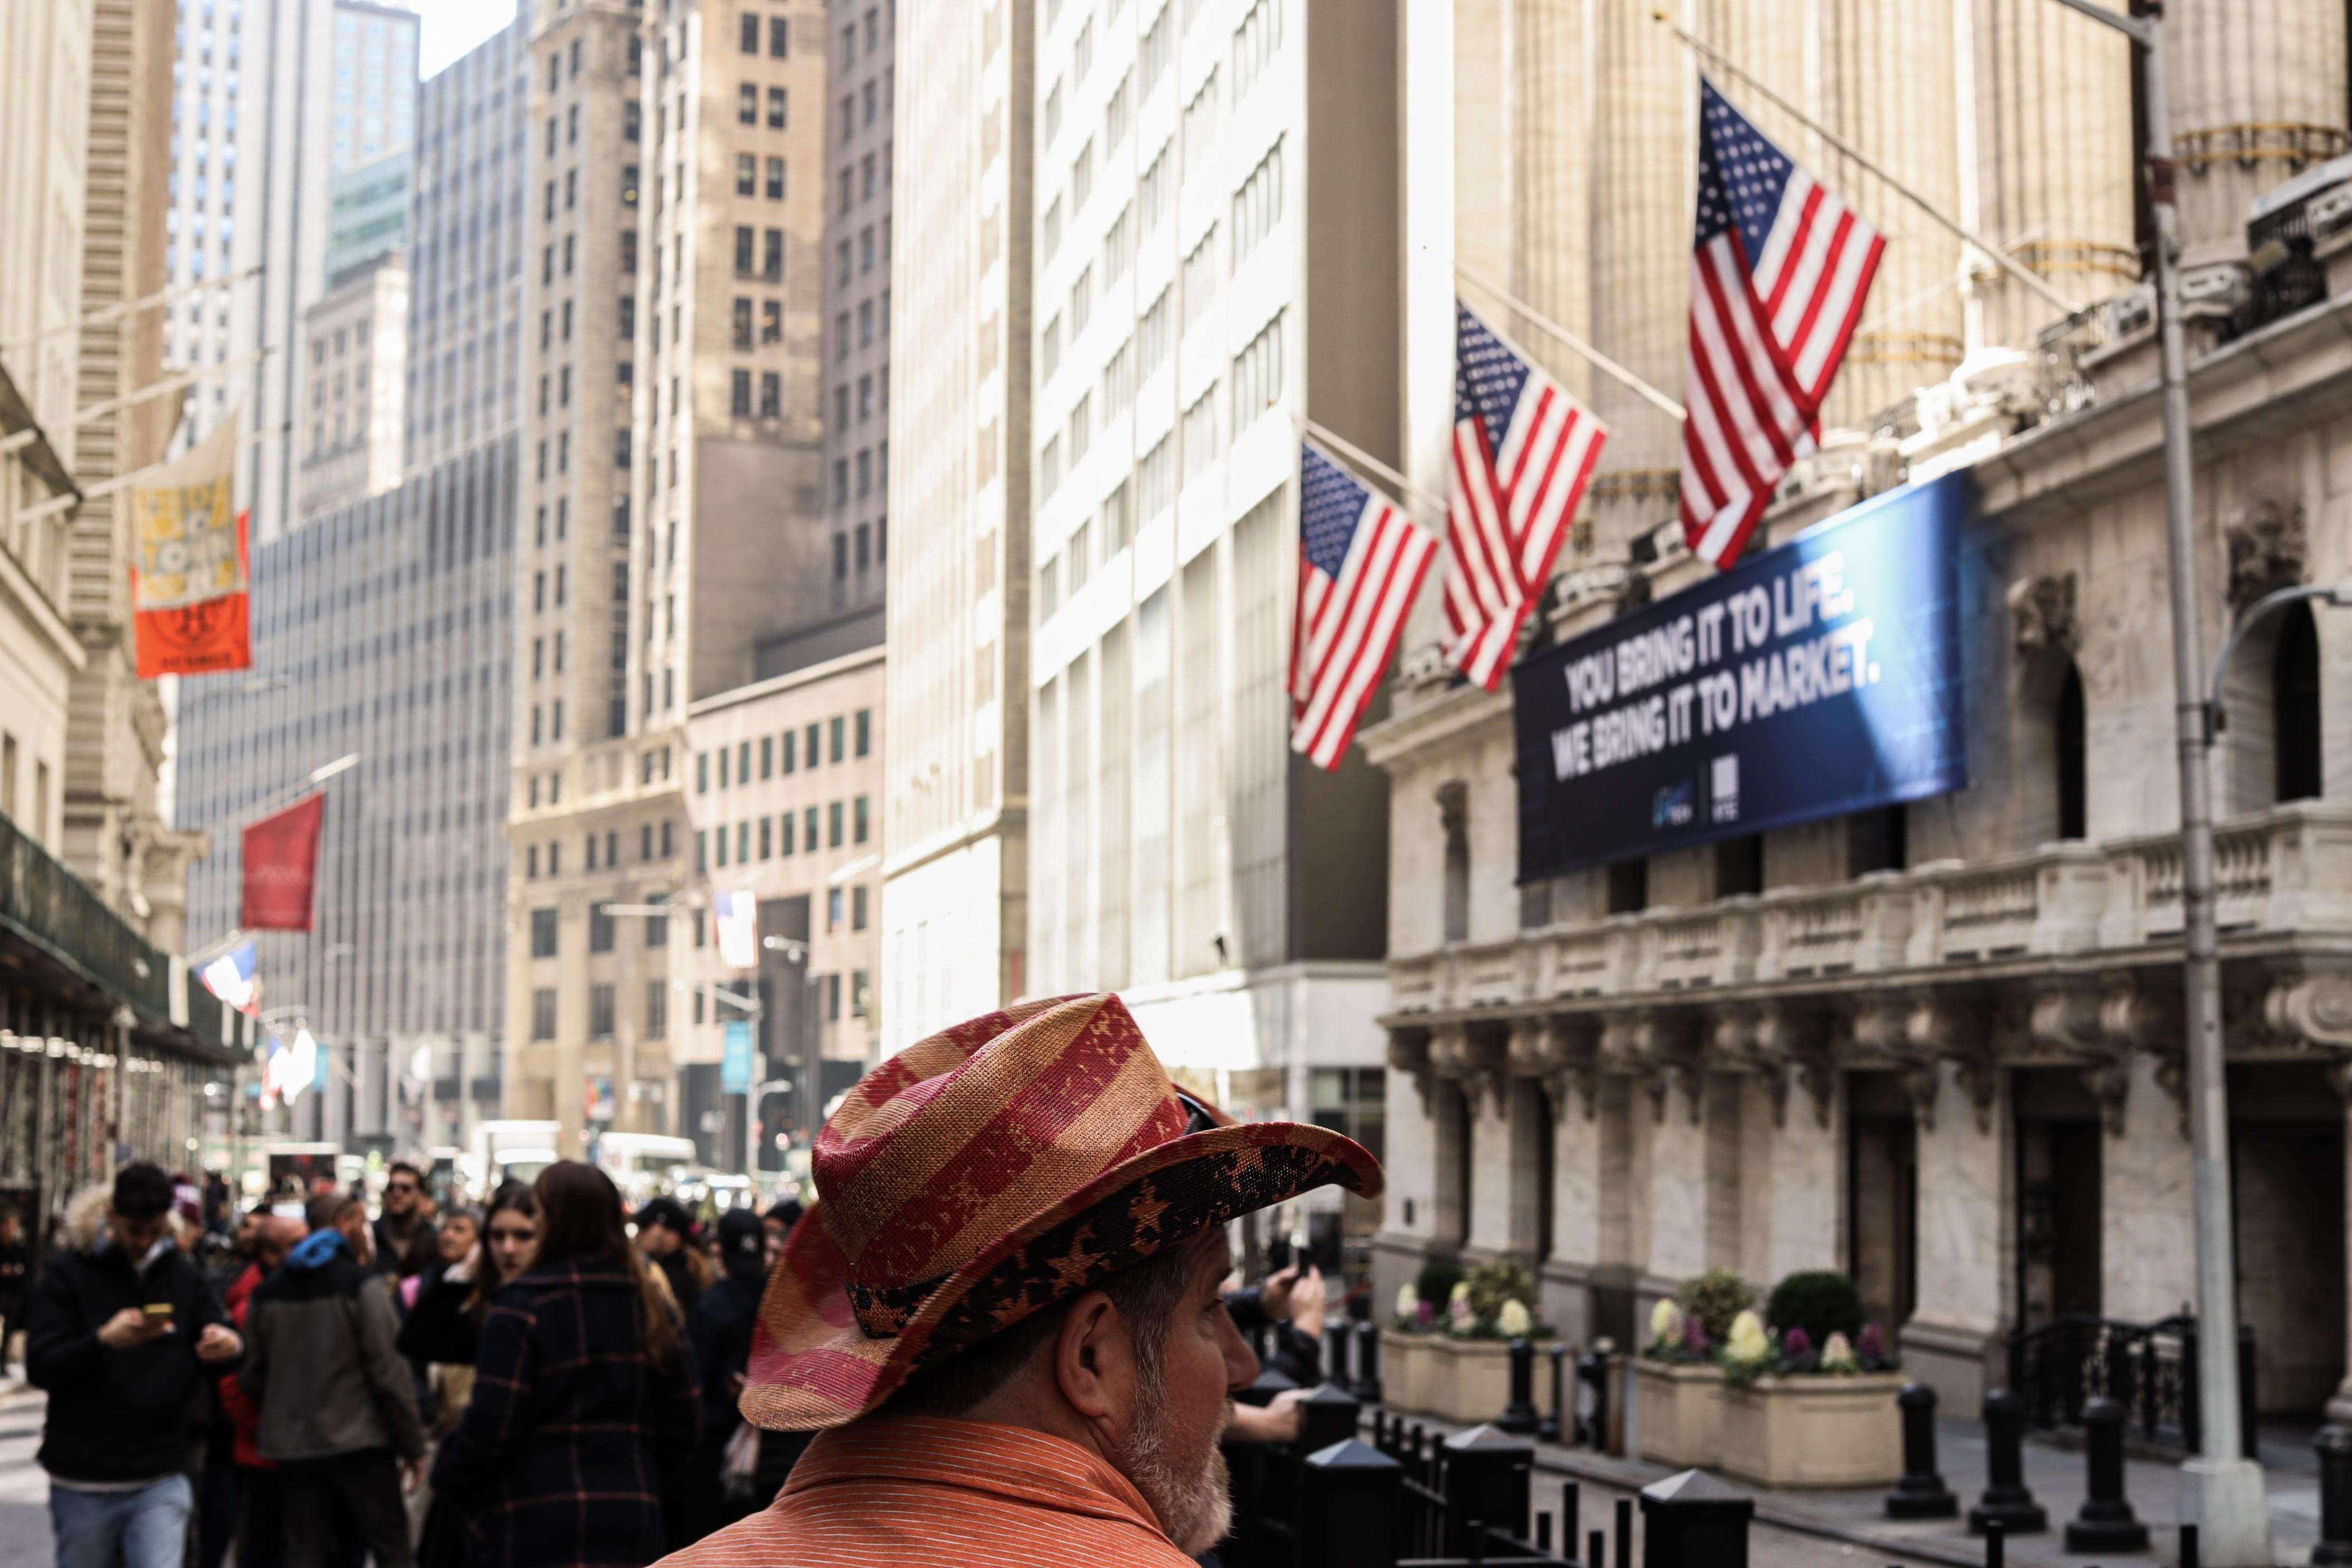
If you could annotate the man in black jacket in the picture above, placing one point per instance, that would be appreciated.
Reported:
(122, 1329)
(405, 1241)
(338, 1404)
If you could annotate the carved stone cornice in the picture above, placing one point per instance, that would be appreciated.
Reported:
(1659, 1048)
(2313, 1010)
(2135, 1018)
(1562, 1050)
(2270, 548)
(1796, 1041)
(1917, 1031)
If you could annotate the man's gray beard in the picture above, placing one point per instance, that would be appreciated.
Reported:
(1188, 1491)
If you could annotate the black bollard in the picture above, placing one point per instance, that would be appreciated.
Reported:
(1596, 1548)
(2105, 1522)
(1519, 1415)
(1368, 1362)
(1556, 1421)
(1350, 1508)
(2189, 1554)
(2007, 1502)
(1996, 1536)
(1572, 1509)
(1921, 1493)
(1592, 1401)
(1694, 1518)
(1326, 1417)
(1624, 1533)
(1335, 1355)
(2334, 1445)
(1486, 1476)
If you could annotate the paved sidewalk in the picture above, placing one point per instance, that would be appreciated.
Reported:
(1858, 1517)
(24, 1487)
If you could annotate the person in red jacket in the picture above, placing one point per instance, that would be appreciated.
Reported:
(260, 1493)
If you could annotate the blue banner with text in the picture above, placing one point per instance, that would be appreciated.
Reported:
(1814, 679)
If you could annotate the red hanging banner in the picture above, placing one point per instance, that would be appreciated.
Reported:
(281, 866)
(189, 576)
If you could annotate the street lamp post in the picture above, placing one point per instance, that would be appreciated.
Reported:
(2224, 1493)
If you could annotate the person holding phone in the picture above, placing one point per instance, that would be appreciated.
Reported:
(125, 1333)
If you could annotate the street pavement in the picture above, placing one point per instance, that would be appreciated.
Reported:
(24, 1490)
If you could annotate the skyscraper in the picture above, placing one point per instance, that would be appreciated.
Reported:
(955, 813)
(383, 626)
(861, 91)
(673, 483)
(1206, 269)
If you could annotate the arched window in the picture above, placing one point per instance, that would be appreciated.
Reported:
(2069, 748)
(1454, 815)
(2294, 706)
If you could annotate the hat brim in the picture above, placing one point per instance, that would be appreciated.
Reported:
(813, 1367)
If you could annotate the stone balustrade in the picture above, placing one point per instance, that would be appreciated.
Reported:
(2283, 871)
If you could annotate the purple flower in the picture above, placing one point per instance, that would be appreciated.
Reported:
(1872, 1347)
(1796, 1345)
(1695, 1337)
(1425, 1315)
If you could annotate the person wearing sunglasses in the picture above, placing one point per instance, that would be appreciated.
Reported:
(406, 1242)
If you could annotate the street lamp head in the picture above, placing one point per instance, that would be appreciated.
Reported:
(2340, 595)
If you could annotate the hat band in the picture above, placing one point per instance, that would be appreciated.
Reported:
(884, 1310)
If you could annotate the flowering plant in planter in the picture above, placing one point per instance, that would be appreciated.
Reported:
(1677, 1336)
(1814, 1341)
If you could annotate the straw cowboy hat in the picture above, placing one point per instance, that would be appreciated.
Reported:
(987, 1173)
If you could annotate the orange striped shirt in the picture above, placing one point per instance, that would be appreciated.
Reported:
(906, 1488)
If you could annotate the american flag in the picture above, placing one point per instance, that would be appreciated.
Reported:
(1361, 562)
(1778, 279)
(1522, 451)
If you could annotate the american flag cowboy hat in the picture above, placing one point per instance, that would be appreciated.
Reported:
(987, 1172)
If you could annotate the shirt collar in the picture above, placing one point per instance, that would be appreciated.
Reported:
(1016, 1463)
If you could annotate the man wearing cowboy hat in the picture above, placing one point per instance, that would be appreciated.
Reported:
(1003, 1316)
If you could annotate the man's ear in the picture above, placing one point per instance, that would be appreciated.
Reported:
(1091, 1357)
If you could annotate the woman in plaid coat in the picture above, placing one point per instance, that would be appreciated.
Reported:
(585, 1400)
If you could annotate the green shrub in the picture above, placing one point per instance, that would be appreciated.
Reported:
(1492, 1284)
(1715, 1298)
(1436, 1282)
(1822, 1302)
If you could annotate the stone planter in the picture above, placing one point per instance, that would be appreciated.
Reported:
(1814, 1431)
(1678, 1412)
(1461, 1381)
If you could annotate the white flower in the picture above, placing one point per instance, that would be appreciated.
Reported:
(1665, 1322)
(1461, 1291)
(1837, 1355)
(1514, 1321)
(1407, 1302)
(1747, 1341)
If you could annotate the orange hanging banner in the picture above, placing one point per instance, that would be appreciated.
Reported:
(190, 574)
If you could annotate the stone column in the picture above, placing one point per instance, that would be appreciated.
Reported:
(1672, 1134)
(1408, 1221)
(2147, 1242)
(1493, 1171)
(1790, 1187)
(1551, 172)
(1576, 1204)
(1643, 98)
(1961, 1229)
(2257, 90)
(2045, 117)
(1883, 81)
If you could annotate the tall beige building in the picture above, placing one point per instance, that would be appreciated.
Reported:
(955, 796)
(673, 502)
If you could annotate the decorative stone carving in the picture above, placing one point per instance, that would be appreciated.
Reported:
(2270, 548)
(2043, 610)
(1475, 1055)
(1922, 1030)
(2312, 1010)
(2134, 1019)
(1658, 1049)
(1560, 1051)
(1777, 1042)
(1409, 1053)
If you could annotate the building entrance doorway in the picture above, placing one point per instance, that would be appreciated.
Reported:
(2286, 1167)
(2059, 1155)
(1881, 1197)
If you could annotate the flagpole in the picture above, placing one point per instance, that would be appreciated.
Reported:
(1599, 361)
(2007, 264)
(1356, 454)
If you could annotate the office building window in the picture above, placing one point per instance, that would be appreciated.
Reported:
(543, 934)
(542, 1014)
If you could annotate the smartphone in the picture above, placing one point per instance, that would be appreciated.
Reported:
(158, 1313)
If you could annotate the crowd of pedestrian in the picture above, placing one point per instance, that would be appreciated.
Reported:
(546, 1379)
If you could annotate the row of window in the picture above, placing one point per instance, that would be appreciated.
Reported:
(651, 845)
(873, 474)
(850, 735)
(868, 387)
(777, 834)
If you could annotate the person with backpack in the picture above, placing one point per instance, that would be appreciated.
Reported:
(338, 1404)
